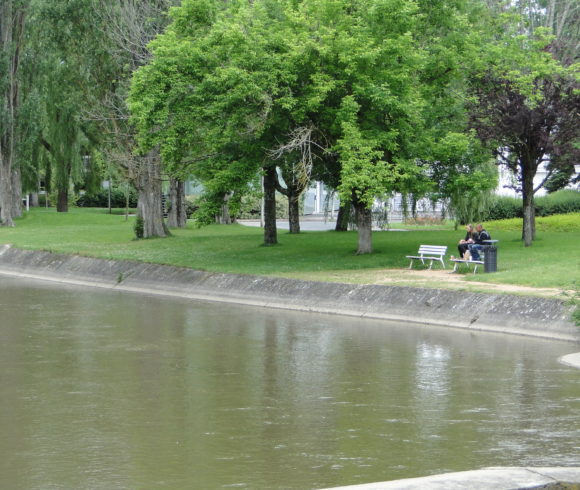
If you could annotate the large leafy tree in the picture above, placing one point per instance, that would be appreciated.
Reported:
(205, 98)
(230, 84)
(525, 104)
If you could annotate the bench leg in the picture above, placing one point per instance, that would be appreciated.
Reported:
(411, 264)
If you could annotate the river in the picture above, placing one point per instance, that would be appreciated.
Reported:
(112, 390)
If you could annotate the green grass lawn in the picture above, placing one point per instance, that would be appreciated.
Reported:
(551, 262)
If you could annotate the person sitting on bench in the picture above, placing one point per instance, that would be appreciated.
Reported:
(481, 235)
(464, 244)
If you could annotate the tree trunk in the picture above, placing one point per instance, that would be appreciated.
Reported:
(177, 217)
(294, 212)
(16, 193)
(5, 188)
(149, 205)
(528, 209)
(225, 218)
(62, 200)
(292, 191)
(364, 227)
(34, 199)
(12, 20)
(343, 217)
(270, 231)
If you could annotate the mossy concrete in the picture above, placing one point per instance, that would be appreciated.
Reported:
(538, 317)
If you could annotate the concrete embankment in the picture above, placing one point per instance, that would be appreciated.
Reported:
(559, 478)
(538, 317)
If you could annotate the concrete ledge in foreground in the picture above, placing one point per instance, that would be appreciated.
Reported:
(572, 360)
(486, 479)
(538, 317)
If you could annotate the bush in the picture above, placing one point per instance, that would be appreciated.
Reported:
(139, 227)
(191, 206)
(425, 221)
(561, 202)
(503, 207)
(250, 207)
(100, 199)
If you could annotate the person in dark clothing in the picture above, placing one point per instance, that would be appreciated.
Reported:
(464, 244)
(481, 235)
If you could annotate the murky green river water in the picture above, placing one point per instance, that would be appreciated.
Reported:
(111, 390)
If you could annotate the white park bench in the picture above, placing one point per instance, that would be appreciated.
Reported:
(468, 263)
(430, 253)
(475, 263)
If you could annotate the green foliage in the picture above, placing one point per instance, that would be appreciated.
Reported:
(559, 222)
(561, 202)
(504, 207)
(138, 227)
(559, 179)
(464, 175)
(376, 81)
(100, 199)
(190, 206)
(250, 207)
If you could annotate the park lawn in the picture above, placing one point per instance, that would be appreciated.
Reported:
(551, 262)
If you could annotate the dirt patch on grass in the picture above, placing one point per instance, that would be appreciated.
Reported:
(451, 280)
(435, 278)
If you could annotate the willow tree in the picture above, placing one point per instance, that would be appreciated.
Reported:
(12, 24)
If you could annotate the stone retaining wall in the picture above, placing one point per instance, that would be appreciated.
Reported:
(538, 317)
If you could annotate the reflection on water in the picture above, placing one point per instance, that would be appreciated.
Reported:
(109, 390)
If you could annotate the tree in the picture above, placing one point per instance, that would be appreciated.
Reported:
(128, 27)
(464, 175)
(12, 24)
(234, 83)
(197, 100)
(526, 104)
(297, 157)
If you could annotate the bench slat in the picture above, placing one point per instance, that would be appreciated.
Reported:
(433, 250)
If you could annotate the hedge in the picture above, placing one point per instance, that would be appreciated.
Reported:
(100, 199)
(561, 202)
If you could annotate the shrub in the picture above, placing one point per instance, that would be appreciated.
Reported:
(425, 221)
(503, 207)
(139, 227)
(191, 206)
(100, 199)
(250, 206)
(561, 202)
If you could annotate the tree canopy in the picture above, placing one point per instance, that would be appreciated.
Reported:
(373, 81)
